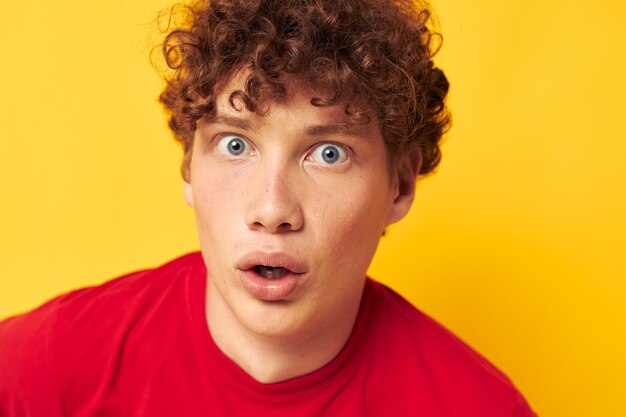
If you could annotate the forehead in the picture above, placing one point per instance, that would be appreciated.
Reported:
(296, 103)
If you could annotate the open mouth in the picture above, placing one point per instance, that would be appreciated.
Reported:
(271, 276)
(271, 272)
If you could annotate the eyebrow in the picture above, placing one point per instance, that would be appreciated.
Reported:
(232, 121)
(323, 130)
(314, 130)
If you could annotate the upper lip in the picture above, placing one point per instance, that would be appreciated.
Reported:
(274, 259)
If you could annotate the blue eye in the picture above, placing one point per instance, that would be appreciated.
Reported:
(329, 153)
(232, 145)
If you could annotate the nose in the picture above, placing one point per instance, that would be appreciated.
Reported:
(273, 205)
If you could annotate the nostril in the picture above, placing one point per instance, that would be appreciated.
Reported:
(281, 228)
(280, 216)
(284, 227)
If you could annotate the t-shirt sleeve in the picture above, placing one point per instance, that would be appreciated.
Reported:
(522, 408)
(27, 386)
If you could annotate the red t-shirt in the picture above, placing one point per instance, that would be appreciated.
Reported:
(139, 345)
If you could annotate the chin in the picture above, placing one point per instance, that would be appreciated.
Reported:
(275, 318)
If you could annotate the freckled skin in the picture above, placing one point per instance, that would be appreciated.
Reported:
(281, 195)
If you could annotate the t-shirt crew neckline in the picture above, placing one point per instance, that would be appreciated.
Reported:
(221, 366)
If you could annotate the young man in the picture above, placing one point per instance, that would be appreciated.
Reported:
(304, 126)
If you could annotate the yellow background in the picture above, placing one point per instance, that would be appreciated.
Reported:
(516, 244)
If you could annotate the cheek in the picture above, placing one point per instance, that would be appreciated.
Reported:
(215, 207)
(215, 189)
(353, 223)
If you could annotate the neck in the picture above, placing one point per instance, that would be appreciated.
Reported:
(270, 358)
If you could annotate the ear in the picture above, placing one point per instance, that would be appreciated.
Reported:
(188, 193)
(405, 173)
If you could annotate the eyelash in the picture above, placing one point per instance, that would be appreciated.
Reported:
(341, 158)
(225, 141)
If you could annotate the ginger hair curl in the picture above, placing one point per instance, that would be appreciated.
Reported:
(375, 55)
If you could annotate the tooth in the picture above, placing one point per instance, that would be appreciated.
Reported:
(270, 272)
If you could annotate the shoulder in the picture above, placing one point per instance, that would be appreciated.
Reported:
(434, 360)
(43, 351)
(103, 302)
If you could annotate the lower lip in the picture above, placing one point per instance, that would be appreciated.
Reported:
(269, 289)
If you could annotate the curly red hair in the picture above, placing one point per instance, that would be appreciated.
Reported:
(375, 55)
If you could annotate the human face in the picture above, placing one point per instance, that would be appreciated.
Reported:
(296, 190)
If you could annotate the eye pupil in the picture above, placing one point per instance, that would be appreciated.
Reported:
(330, 154)
(236, 146)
